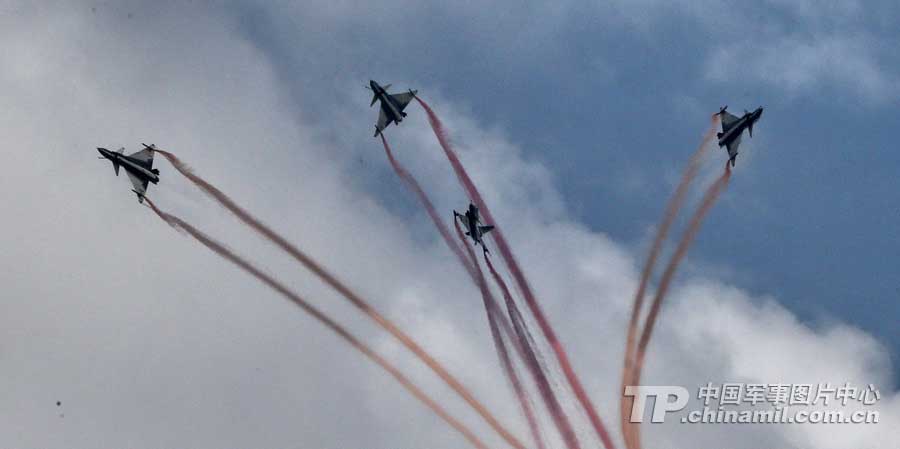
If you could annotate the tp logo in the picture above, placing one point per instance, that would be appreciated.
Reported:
(661, 402)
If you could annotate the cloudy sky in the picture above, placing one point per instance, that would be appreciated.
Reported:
(574, 118)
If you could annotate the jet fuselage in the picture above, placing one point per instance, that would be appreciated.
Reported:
(745, 122)
(133, 166)
(391, 108)
(472, 220)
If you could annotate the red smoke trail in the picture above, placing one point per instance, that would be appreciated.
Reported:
(510, 370)
(707, 202)
(495, 314)
(502, 351)
(535, 308)
(272, 283)
(516, 316)
(354, 299)
(411, 182)
(531, 360)
(518, 388)
(524, 347)
(672, 208)
(489, 302)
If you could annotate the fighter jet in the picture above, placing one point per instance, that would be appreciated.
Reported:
(733, 127)
(392, 106)
(138, 166)
(472, 222)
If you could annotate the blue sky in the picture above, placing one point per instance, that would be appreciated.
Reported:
(574, 119)
(614, 98)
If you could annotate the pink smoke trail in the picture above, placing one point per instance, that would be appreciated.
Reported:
(413, 185)
(272, 283)
(535, 308)
(512, 375)
(526, 353)
(672, 208)
(706, 203)
(531, 360)
(499, 345)
(348, 294)
(523, 346)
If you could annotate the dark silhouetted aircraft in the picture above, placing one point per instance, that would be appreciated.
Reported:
(472, 222)
(392, 106)
(733, 127)
(138, 166)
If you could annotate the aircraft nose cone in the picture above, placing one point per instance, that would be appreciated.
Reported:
(102, 151)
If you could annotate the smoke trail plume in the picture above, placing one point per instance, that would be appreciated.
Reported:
(511, 263)
(348, 294)
(513, 376)
(524, 347)
(531, 361)
(274, 284)
(489, 303)
(706, 203)
(413, 185)
(672, 208)
(494, 316)
(494, 308)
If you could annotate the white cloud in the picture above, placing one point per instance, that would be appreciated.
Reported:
(150, 341)
(804, 65)
(796, 46)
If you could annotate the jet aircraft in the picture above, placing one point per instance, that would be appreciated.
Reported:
(392, 106)
(472, 222)
(138, 166)
(733, 127)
